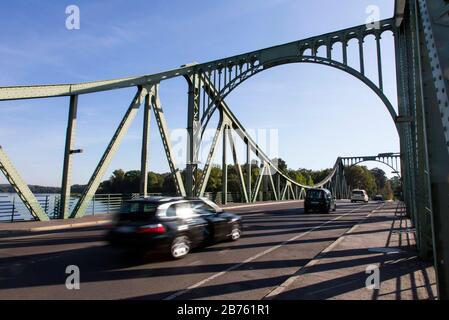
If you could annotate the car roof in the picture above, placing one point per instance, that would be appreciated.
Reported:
(318, 189)
(161, 199)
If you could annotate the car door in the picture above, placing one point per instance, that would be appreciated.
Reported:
(217, 225)
(190, 223)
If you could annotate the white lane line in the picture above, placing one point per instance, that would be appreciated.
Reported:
(282, 287)
(194, 263)
(260, 254)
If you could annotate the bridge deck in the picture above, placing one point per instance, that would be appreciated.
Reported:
(279, 239)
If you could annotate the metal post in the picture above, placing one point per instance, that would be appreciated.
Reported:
(109, 153)
(224, 177)
(67, 169)
(13, 208)
(192, 133)
(435, 54)
(248, 170)
(145, 145)
(379, 62)
(344, 44)
(362, 63)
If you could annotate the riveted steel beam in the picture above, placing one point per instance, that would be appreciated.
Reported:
(208, 165)
(109, 153)
(434, 45)
(145, 145)
(237, 165)
(253, 57)
(164, 133)
(68, 154)
(193, 130)
(258, 182)
(21, 188)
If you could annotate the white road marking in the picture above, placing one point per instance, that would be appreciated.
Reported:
(260, 254)
(283, 286)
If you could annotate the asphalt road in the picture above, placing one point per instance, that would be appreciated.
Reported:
(278, 240)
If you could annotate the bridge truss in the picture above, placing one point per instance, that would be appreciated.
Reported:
(420, 29)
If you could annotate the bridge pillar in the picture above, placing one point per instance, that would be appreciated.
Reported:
(224, 170)
(145, 144)
(68, 153)
(248, 170)
(193, 129)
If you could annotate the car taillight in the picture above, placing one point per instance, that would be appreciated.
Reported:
(152, 228)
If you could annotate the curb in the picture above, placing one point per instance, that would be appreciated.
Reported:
(57, 227)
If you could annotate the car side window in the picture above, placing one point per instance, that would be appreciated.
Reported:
(203, 208)
(171, 211)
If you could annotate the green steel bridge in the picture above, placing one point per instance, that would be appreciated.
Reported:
(421, 33)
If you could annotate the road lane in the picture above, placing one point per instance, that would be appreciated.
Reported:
(33, 266)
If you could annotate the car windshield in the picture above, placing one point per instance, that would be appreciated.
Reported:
(358, 193)
(314, 194)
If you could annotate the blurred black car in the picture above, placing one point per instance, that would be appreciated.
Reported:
(378, 197)
(319, 199)
(172, 225)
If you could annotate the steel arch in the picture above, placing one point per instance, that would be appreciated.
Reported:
(233, 84)
(388, 165)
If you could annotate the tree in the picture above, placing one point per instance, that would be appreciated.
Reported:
(359, 177)
(380, 178)
(388, 191)
(282, 165)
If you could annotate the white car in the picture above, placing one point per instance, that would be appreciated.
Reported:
(359, 196)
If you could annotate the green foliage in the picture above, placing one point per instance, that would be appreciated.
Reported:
(359, 177)
(373, 181)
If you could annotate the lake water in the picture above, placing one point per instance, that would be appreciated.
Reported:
(10, 203)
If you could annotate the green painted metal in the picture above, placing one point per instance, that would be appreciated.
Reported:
(102, 166)
(237, 164)
(145, 146)
(193, 127)
(21, 188)
(164, 133)
(433, 30)
(68, 154)
(421, 35)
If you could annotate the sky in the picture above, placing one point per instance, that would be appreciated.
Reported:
(317, 112)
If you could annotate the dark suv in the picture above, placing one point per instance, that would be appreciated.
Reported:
(172, 225)
(319, 199)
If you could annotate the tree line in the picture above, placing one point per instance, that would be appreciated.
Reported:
(374, 181)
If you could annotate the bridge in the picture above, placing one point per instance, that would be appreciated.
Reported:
(422, 121)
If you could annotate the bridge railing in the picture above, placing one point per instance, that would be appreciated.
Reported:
(12, 208)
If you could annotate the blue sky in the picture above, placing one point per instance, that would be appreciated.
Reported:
(320, 113)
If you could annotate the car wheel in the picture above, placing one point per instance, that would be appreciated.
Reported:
(236, 233)
(335, 208)
(180, 247)
(306, 210)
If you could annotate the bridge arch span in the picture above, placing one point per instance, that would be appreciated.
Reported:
(259, 67)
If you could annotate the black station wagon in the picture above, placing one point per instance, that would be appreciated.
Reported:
(172, 225)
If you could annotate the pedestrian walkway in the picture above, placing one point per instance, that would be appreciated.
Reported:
(383, 240)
